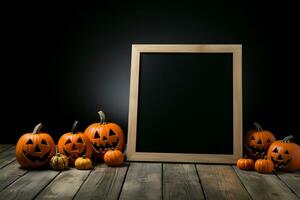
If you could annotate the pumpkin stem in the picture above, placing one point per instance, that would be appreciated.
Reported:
(58, 154)
(102, 117)
(258, 126)
(288, 139)
(74, 127)
(84, 156)
(37, 128)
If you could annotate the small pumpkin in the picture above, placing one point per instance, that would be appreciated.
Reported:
(257, 142)
(285, 154)
(245, 163)
(34, 150)
(114, 158)
(83, 163)
(59, 162)
(74, 144)
(104, 136)
(264, 166)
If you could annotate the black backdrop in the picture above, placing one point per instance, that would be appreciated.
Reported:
(62, 62)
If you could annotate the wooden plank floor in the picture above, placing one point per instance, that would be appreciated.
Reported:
(137, 180)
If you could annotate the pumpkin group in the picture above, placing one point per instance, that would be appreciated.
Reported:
(264, 166)
(59, 162)
(113, 158)
(34, 150)
(104, 136)
(74, 144)
(285, 154)
(245, 164)
(257, 142)
(83, 163)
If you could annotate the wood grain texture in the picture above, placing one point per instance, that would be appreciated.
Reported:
(180, 181)
(264, 186)
(292, 180)
(28, 186)
(3, 147)
(221, 182)
(10, 173)
(65, 185)
(143, 182)
(7, 156)
(103, 183)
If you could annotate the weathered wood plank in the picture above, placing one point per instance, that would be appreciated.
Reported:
(3, 147)
(10, 173)
(28, 186)
(143, 181)
(264, 186)
(65, 185)
(180, 181)
(292, 180)
(103, 183)
(221, 182)
(7, 156)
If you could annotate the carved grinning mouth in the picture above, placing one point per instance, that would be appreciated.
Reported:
(75, 153)
(280, 164)
(36, 158)
(105, 147)
(256, 150)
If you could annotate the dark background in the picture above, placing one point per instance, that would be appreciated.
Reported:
(62, 62)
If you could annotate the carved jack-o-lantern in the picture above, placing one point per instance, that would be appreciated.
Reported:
(105, 136)
(285, 154)
(74, 144)
(257, 142)
(34, 150)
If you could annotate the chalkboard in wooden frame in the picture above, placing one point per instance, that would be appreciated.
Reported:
(185, 103)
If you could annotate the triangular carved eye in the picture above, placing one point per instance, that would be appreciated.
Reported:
(111, 133)
(44, 142)
(29, 142)
(286, 152)
(79, 141)
(68, 141)
(275, 150)
(97, 135)
(252, 138)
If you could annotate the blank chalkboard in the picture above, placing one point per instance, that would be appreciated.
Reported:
(185, 103)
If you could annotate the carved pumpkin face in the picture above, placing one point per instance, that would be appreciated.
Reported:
(258, 142)
(105, 136)
(285, 155)
(34, 150)
(74, 144)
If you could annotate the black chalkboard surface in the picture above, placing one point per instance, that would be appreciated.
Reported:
(185, 103)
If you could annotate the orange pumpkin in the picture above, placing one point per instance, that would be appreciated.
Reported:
(113, 158)
(285, 154)
(257, 142)
(83, 163)
(245, 164)
(264, 166)
(34, 150)
(74, 144)
(105, 136)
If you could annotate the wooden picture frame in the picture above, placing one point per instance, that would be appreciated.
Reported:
(133, 155)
